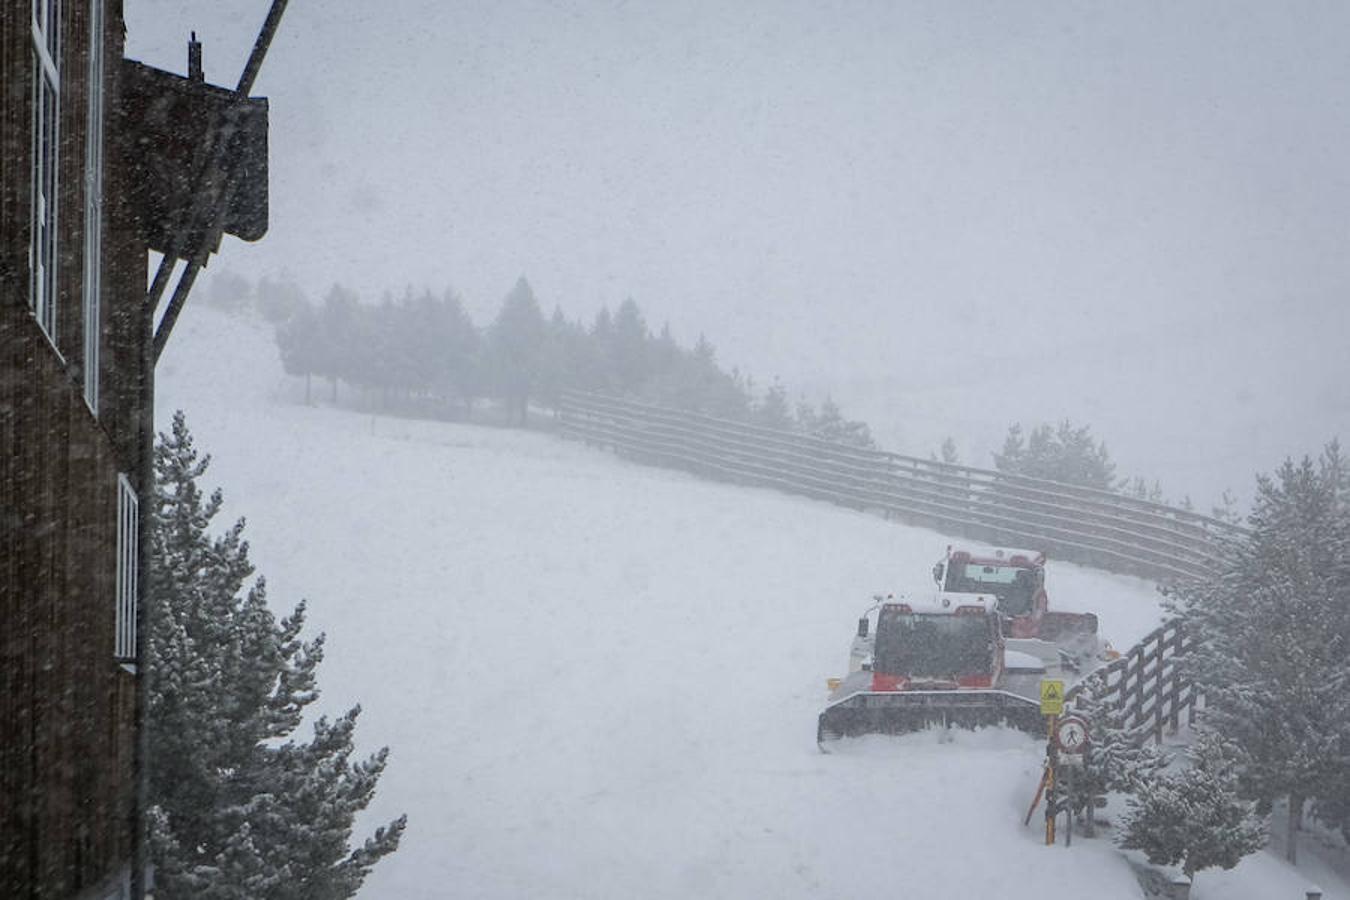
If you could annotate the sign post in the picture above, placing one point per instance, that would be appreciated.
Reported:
(1052, 705)
(1069, 737)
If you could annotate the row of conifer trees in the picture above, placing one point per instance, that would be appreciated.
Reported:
(425, 352)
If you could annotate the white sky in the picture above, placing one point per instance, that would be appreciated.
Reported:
(951, 216)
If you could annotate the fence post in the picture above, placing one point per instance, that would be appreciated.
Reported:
(1160, 683)
(1175, 691)
(1135, 694)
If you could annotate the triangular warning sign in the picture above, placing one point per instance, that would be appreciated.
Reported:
(1052, 697)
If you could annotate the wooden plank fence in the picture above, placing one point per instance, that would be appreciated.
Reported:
(1146, 684)
(1083, 525)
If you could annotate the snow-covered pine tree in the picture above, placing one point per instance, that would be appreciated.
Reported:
(1332, 802)
(1195, 819)
(1118, 759)
(1273, 638)
(238, 808)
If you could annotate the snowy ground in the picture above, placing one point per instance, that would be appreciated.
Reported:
(602, 680)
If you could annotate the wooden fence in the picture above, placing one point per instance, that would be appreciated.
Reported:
(1083, 525)
(1146, 685)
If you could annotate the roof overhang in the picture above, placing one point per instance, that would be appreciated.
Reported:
(173, 124)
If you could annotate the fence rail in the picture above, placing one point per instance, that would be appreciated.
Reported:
(1092, 527)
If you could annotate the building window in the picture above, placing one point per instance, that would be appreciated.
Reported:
(128, 521)
(93, 207)
(46, 136)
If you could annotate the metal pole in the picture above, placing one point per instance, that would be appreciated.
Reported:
(255, 59)
(1051, 788)
(1090, 826)
(185, 282)
(161, 281)
(1068, 809)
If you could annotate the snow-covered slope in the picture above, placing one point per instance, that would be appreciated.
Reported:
(601, 680)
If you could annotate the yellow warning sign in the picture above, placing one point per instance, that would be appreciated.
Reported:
(1052, 696)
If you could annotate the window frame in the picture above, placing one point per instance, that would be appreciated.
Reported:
(126, 599)
(93, 208)
(46, 166)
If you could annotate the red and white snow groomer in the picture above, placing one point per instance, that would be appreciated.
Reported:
(1017, 579)
(942, 661)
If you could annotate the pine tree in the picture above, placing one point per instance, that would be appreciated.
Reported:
(772, 411)
(341, 339)
(514, 344)
(1226, 510)
(1011, 458)
(666, 382)
(1139, 488)
(830, 425)
(601, 350)
(830, 421)
(1195, 819)
(298, 340)
(858, 434)
(1118, 758)
(1332, 802)
(238, 808)
(697, 383)
(421, 342)
(631, 352)
(806, 419)
(382, 363)
(666, 354)
(460, 349)
(1066, 453)
(1273, 638)
(949, 454)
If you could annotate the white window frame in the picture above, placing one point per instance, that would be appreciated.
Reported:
(128, 555)
(93, 208)
(42, 249)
